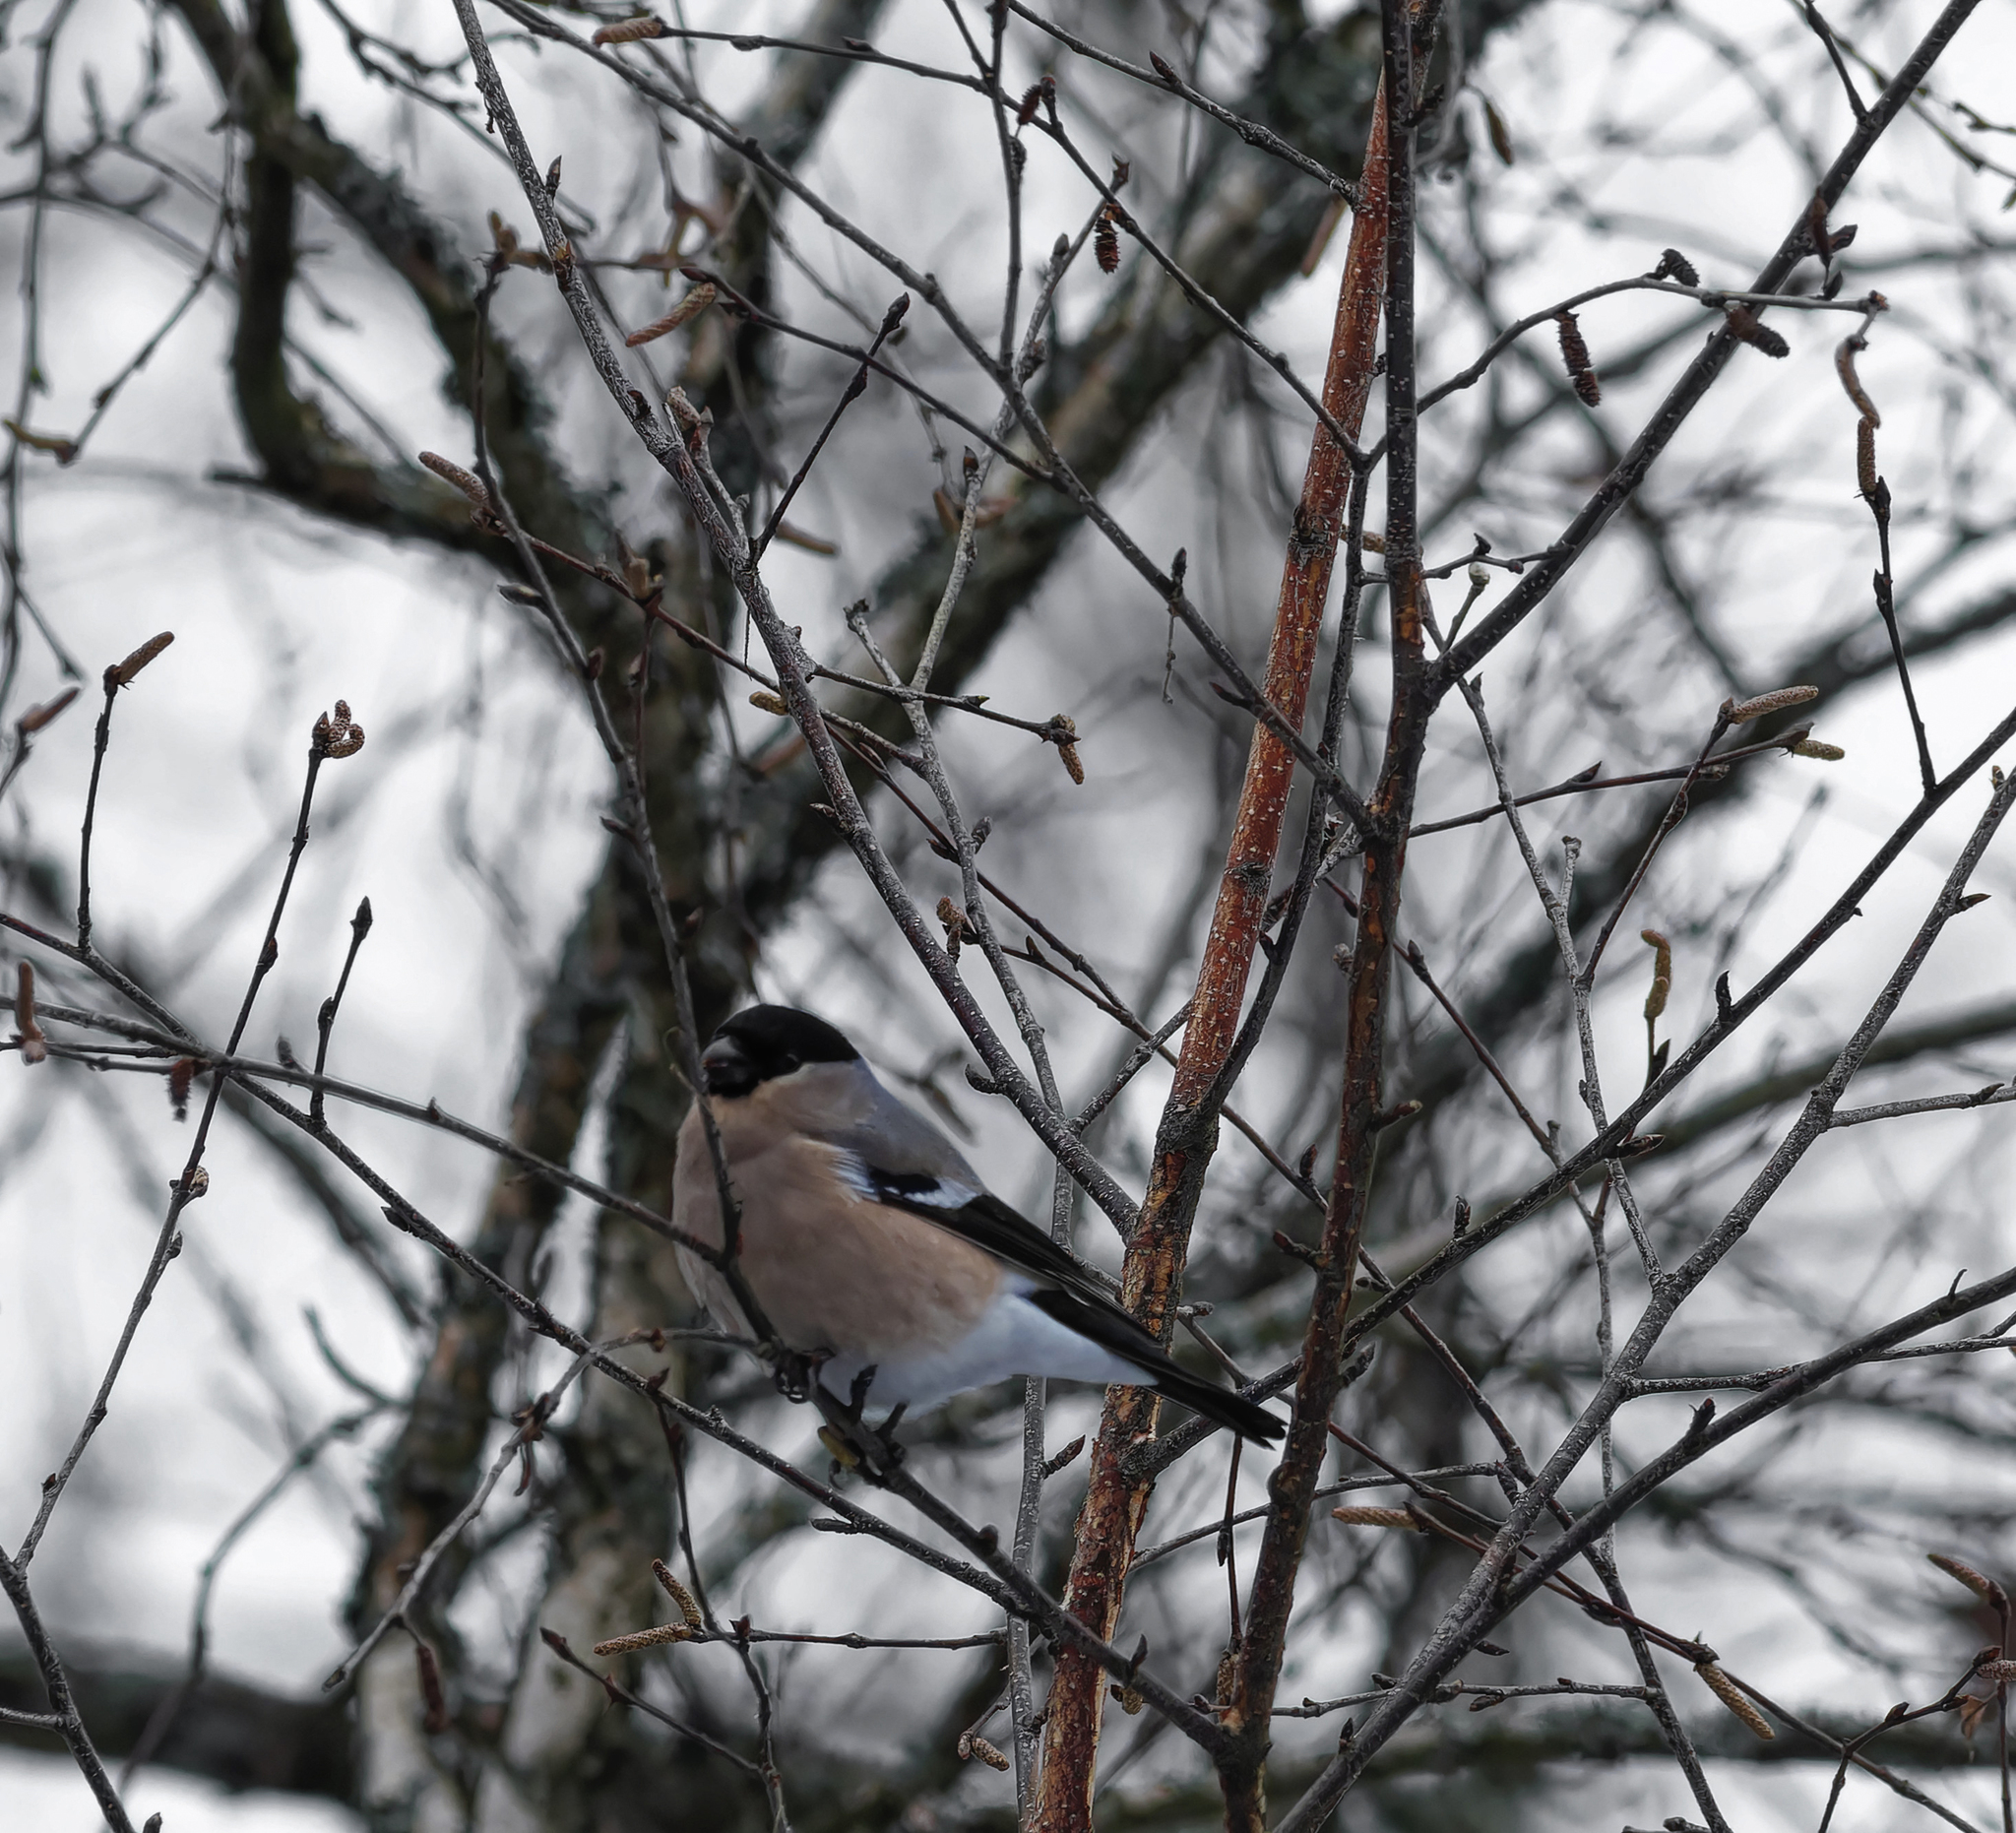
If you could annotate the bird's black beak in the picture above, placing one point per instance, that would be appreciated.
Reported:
(726, 1068)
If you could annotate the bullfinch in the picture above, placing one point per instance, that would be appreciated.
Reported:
(869, 1241)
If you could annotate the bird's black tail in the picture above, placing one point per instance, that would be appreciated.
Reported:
(1233, 1410)
(1104, 1323)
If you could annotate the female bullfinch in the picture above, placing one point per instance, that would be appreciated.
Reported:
(868, 1238)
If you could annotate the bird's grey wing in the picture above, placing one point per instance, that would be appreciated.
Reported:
(893, 1155)
(1063, 1288)
(958, 1205)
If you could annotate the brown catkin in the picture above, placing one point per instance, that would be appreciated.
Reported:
(1815, 747)
(646, 1639)
(1726, 1690)
(987, 1752)
(36, 718)
(1672, 265)
(691, 306)
(1974, 1581)
(678, 1593)
(1866, 458)
(1745, 325)
(1575, 353)
(1068, 746)
(342, 736)
(1375, 1518)
(467, 481)
(629, 30)
(145, 654)
(1106, 242)
(1844, 366)
(1742, 712)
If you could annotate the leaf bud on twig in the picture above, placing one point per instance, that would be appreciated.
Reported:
(842, 1453)
(1745, 325)
(957, 925)
(1817, 234)
(34, 1048)
(1500, 134)
(57, 445)
(1662, 972)
(685, 416)
(1059, 1461)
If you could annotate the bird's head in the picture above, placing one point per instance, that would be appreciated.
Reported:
(763, 1043)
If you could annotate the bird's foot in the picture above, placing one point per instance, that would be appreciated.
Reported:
(796, 1374)
(870, 1450)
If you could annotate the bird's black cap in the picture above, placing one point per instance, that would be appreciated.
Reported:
(762, 1042)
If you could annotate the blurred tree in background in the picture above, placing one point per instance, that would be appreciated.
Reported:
(269, 257)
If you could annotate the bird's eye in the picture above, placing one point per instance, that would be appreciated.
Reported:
(787, 1064)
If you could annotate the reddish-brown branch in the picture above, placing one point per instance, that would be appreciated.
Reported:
(1152, 1273)
(1292, 1490)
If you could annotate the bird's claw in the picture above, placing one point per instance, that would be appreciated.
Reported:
(876, 1453)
